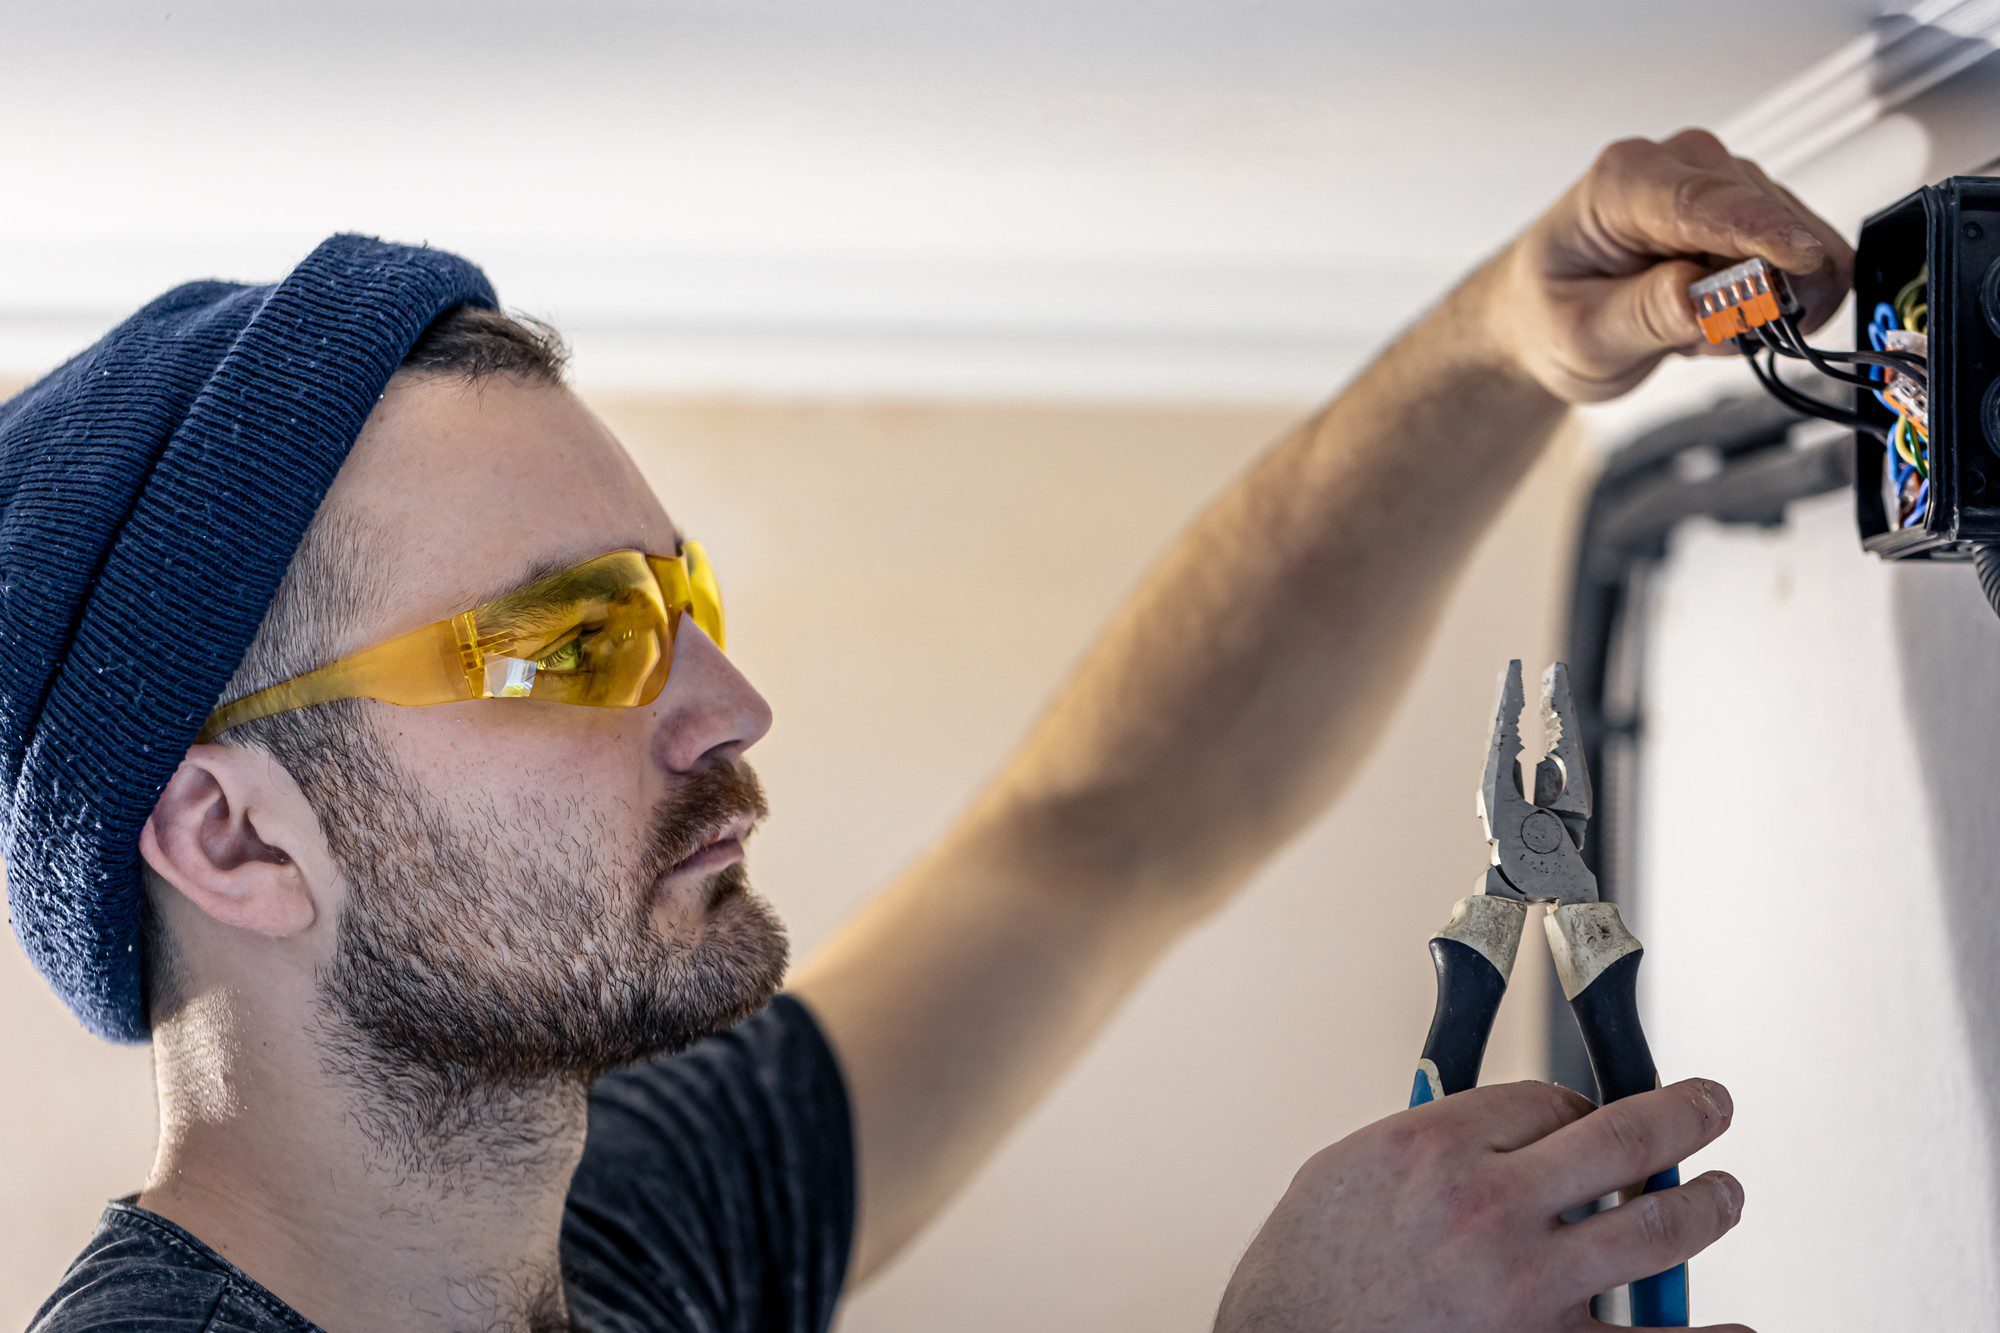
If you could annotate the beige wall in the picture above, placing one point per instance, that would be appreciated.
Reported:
(906, 584)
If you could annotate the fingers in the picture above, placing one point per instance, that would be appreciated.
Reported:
(1821, 291)
(1688, 196)
(1512, 1115)
(1627, 1141)
(1837, 248)
(1650, 1233)
(1700, 147)
(1607, 266)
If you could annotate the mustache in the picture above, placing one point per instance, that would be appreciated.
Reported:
(709, 800)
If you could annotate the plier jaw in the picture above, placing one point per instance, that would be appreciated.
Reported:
(1536, 842)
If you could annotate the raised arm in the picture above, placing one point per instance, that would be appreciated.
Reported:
(1230, 699)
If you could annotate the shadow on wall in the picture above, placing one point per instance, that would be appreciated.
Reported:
(1957, 116)
(1950, 666)
(1949, 651)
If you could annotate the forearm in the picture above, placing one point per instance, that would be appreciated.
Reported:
(1261, 656)
(1254, 664)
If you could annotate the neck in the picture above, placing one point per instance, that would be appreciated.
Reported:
(305, 1165)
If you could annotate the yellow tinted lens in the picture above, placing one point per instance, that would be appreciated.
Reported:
(706, 594)
(597, 634)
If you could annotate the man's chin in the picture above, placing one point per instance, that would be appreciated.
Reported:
(691, 909)
(731, 884)
(731, 958)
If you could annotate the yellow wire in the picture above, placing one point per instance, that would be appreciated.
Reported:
(1900, 438)
(1909, 439)
(1905, 302)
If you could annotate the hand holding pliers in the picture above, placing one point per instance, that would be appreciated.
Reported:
(1536, 858)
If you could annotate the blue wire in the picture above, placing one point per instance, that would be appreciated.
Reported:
(1877, 338)
(1885, 318)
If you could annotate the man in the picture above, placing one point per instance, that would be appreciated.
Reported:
(417, 933)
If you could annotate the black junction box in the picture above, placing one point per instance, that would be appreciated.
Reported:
(1954, 226)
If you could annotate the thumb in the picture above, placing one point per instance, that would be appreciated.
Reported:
(1643, 317)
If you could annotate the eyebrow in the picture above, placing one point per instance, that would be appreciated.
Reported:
(548, 568)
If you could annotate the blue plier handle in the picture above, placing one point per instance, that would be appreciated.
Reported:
(1536, 857)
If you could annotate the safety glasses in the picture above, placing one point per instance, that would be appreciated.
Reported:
(600, 633)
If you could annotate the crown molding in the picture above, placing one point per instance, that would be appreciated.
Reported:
(1064, 328)
(1901, 57)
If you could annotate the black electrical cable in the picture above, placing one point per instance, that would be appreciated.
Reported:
(1903, 363)
(1986, 564)
(1800, 402)
(1894, 361)
(1833, 372)
(1791, 342)
(1784, 393)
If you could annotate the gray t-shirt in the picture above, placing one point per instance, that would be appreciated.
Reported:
(716, 1193)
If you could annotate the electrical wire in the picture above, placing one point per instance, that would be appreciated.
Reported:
(1900, 440)
(1896, 361)
(1906, 306)
(1903, 363)
(1986, 564)
(1906, 439)
(1907, 442)
(1801, 402)
(1787, 339)
(1911, 313)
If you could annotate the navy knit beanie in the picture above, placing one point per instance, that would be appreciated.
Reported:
(152, 493)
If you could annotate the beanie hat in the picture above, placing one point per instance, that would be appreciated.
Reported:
(153, 491)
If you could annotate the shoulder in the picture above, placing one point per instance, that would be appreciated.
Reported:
(777, 1057)
(140, 1271)
(717, 1186)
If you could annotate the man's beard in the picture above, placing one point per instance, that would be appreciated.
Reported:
(470, 958)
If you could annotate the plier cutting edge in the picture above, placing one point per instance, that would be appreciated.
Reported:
(1536, 859)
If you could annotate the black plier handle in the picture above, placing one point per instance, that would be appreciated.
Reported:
(1597, 960)
(1474, 956)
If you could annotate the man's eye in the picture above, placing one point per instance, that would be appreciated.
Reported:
(565, 656)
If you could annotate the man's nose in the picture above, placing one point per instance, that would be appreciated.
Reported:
(712, 711)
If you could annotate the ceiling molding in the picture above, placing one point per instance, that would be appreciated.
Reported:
(1902, 56)
(1062, 328)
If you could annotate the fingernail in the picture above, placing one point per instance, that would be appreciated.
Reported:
(1732, 1193)
(1803, 239)
(1718, 1098)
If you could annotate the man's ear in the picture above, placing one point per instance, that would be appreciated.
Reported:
(223, 833)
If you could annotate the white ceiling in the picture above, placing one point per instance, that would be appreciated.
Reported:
(1218, 199)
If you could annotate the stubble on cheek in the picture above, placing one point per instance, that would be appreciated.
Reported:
(509, 943)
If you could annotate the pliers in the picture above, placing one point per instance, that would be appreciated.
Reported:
(1536, 859)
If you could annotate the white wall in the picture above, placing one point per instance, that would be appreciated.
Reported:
(1820, 851)
(1820, 866)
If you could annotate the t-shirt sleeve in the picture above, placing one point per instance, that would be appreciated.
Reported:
(717, 1186)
